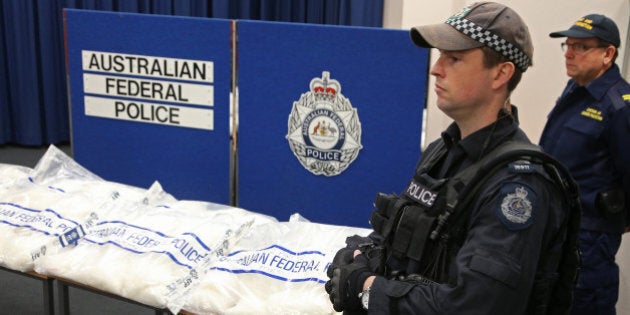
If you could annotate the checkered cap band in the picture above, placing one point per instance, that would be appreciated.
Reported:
(491, 40)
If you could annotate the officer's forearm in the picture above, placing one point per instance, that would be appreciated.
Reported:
(368, 282)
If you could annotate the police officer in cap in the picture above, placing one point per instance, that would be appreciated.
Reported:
(499, 253)
(588, 130)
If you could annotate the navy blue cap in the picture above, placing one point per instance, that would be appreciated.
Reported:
(592, 25)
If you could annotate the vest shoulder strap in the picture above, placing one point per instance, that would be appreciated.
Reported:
(463, 187)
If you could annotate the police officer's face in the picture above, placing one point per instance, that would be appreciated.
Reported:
(462, 82)
(586, 59)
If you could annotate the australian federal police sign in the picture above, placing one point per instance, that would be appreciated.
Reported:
(149, 89)
(150, 100)
(324, 129)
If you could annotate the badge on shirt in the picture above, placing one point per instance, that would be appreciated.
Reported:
(515, 206)
(593, 113)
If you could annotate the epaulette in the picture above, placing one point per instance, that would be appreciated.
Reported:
(619, 94)
(521, 167)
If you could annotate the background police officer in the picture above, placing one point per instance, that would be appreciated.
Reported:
(512, 231)
(588, 131)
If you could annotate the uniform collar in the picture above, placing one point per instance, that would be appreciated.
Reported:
(598, 87)
(482, 141)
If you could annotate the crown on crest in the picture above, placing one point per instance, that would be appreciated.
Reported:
(325, 88)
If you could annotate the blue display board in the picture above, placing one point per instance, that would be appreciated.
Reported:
(150, 100)
(328, 117)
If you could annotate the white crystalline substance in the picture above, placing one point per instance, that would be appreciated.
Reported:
(39, 205)
(278, 268)
(144, 245)
(137, 250)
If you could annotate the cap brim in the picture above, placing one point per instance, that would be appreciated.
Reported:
(572, 33)
(442, 36)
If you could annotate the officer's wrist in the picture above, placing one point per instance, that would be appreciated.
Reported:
(368, 282)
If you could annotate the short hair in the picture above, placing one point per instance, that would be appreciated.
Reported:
(604, 43)
(492, 58)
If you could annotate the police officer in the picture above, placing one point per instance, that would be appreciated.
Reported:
(588, 131)
(498, 254)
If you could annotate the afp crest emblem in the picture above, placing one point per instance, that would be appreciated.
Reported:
(324, 129)
(515, 208)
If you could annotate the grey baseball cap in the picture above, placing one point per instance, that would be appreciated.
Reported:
(483, 23)
(592, 25)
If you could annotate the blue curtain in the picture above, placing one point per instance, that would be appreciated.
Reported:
(33, 89)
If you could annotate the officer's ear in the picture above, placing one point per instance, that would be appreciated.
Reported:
(503, 73)
(609, 54)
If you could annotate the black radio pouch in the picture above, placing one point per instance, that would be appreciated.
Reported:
(611, 204)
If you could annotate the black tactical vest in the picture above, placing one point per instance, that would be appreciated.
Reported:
(424, 228)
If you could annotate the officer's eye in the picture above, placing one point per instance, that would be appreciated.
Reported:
(577, 47)
(450, 56)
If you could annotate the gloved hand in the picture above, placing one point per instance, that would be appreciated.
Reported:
(345, 255)
(346, 282)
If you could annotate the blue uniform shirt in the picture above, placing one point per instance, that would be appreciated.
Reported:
(591, 137)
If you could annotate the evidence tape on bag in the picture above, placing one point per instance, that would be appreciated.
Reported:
(279, 263)
(186, 249)
(70, 237)
(46, 221)
(180, 288)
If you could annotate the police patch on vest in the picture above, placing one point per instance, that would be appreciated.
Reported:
(420, 194)
(515, 206)
(324, 129)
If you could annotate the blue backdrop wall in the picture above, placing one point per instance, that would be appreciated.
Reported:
(150, 100)
(327, 116)
(288, 161)
(33, 89)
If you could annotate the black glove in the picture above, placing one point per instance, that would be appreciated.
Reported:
(376, 258)
(345, 255)
(346, 282)
(356, 241)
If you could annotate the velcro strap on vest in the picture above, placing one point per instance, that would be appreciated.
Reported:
(377, 221)
(411, 233)
(420, 236)
(387, 213)
(394, 216)
(404, 231)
